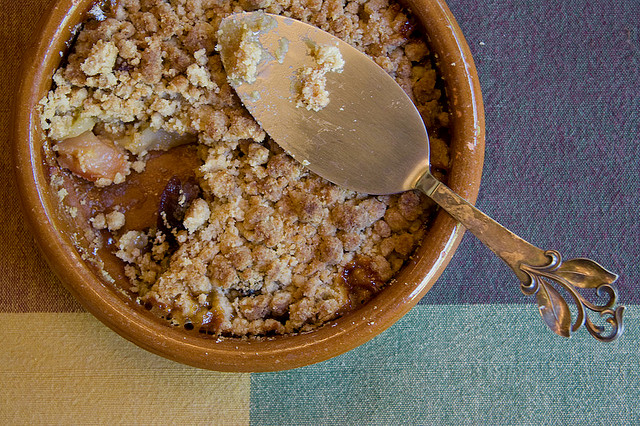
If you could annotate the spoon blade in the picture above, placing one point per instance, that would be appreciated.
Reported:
(369, 138)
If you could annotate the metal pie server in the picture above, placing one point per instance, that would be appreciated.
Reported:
(370, 138)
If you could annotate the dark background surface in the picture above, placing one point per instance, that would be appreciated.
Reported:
(561, 89)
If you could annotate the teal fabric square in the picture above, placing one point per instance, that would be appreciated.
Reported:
(465, 364)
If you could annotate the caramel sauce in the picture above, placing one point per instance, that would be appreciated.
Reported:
(206, 320)
(174, 201)
(209, 320)
(361, 281)
(139, 196)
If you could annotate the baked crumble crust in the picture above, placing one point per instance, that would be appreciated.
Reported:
(266, 247)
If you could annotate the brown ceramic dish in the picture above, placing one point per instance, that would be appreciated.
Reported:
(54, 231)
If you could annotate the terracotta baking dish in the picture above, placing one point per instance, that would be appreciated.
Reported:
(54, 230)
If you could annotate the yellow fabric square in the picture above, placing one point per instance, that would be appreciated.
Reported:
(69, 368)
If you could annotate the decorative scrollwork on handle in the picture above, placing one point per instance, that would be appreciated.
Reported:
(570, 275)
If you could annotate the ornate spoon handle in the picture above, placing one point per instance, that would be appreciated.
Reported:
(538, 269)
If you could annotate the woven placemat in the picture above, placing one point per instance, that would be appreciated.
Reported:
(561, 86)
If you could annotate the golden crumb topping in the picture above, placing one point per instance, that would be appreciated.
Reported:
(256, 244)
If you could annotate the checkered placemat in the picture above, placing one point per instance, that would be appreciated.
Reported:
(561, 86)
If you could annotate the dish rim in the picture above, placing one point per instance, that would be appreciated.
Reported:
(236, 354)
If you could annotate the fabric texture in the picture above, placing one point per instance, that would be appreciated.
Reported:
(461, 364)
(561, 89)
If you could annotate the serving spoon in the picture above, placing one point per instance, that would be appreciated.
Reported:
(371, 138)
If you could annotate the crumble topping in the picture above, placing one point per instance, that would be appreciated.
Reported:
(313, 94)
(239, 46)
(257, 244)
